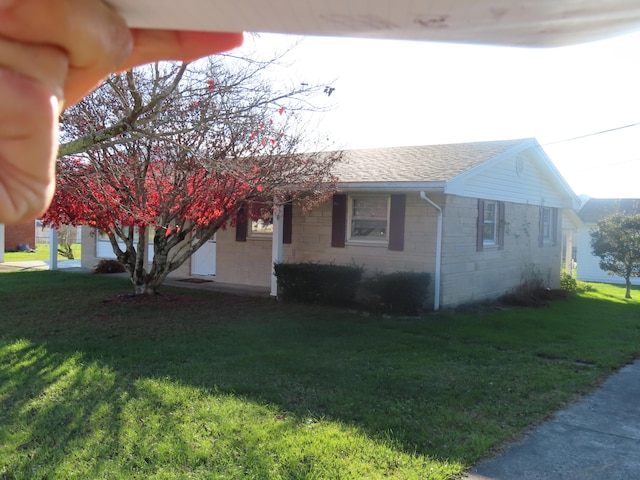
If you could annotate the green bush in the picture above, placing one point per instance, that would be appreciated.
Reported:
(109, 266)
(400, 292)
(318, 283)
(570, 284)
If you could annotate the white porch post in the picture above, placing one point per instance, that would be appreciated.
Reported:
(53, 249)
(276, 245)
(1, 242)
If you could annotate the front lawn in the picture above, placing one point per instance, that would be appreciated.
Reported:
(201, 385)
(41, 253)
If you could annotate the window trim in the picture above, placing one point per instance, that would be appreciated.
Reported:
(499, 226)
(349, 223)
(494, 241)
(551, 238)
(252, 232)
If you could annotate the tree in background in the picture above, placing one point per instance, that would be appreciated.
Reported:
(616, 240)
(178, 150)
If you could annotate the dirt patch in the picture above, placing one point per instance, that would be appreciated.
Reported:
(195, 280)
(155, 300)
(537, 298)
(518, 298)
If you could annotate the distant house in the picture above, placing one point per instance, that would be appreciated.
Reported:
(593, 210)
(19, 236)
(480, 217)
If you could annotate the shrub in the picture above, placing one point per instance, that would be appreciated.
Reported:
(400, 292)
(570, 284)
(109, 266)
(318, 283)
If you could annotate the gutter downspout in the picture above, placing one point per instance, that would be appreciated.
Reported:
(276, 245)
(436, 286)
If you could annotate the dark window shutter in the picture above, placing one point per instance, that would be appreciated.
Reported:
(241, 224)
(339, 221)
(501, 225)
(541, 228)
(287, 223)
(554, 226)
(480, 226)
(396, 223)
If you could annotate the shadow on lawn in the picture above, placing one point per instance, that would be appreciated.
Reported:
(161, 388)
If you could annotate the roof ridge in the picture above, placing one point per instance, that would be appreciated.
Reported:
(419, 163)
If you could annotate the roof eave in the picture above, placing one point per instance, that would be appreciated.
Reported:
(391, 186)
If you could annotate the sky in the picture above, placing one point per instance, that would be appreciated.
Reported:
(396, 93)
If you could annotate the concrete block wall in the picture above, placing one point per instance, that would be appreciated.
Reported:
(469, 275)
(312, 241)
(250, 262)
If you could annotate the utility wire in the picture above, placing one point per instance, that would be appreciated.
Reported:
(593, 134)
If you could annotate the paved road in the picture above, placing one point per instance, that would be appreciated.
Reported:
(596, 439)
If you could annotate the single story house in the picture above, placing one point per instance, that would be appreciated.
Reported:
(15, 236)
(481, 217)
(592, 210)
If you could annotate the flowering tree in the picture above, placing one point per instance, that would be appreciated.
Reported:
(178, 150)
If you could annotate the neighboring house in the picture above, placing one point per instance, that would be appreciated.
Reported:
(16, 236)
(593, 210)
(480, 217)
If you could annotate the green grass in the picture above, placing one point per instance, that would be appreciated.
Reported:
(228, 387)
(41, 253)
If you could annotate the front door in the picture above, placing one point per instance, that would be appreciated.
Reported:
(203, 261)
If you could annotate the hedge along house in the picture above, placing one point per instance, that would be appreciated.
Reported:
(480, 217)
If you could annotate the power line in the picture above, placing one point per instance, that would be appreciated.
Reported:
(593, 134)
(609, 165)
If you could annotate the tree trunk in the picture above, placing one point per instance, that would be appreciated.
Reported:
(628, 294)
(143, 289)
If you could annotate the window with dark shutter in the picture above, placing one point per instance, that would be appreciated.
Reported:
(501, 224)
(490, 225)
(548, 228)
(287, 223)
(241, 224)
(480, 226)
(396, 222)
(339, 221)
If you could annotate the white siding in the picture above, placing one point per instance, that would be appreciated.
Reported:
(517, 178)
(589, 265)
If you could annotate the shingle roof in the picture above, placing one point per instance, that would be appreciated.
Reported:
(596, 208)
(429, 163)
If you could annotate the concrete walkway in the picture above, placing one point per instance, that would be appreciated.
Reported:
(37, 265)
(596, 439)
(200, 283)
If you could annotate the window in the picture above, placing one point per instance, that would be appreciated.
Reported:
(369, 218)
(491, 224)
(262, 226)
(548, 225)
